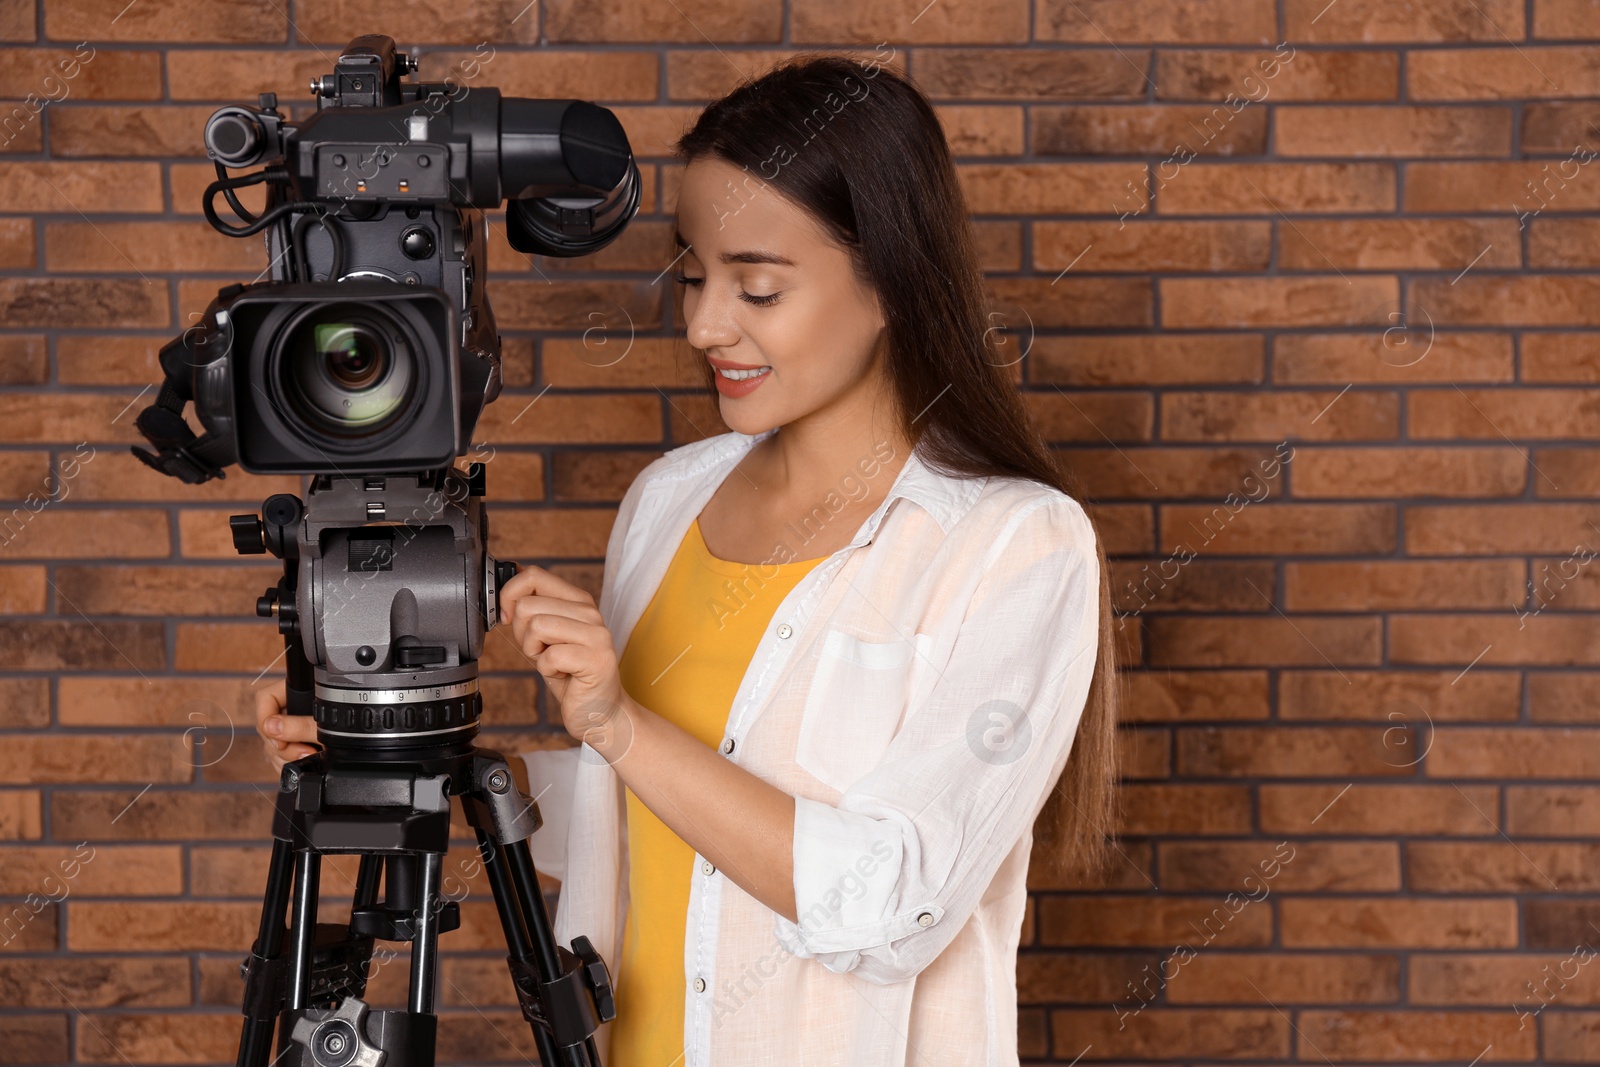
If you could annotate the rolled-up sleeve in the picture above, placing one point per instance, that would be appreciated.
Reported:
(885, 879)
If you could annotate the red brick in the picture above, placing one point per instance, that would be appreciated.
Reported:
(1276, 416)
(1211, 1032)
(1140, 921)
(1383, 585)
(1165, 473)
(1212, 74)
(1293, 978)
(1399, 244)
(1496, 529)
(1102, 303)
(233, 21)
(16, 244)
(1552, 810)
(1207, 188)
(1096, 417)
(1173, 696)
(1242, 526)
(1308, 130)
(37, 1038)
(1499, 979)
(745, 22)
(1502, 638)
(1151, 245)
(1500, 866)
(1202, 585)
(1361, 922)
(1290, 751)
(819, 22)
(1160, 130)
(1097, 22)
(20, 815)
(1148, 359)
(1557, 696)
(1512, 752)
(1397, 353)
(1561, 357)
(1222, 641)
(1054, 188)
(1417, 1035)
(1255, 868)
(1388, 809)
(1409, 472)
(1495, 413)
(1322, 300)
(95, 982)
(17, 23)
(164, 1038)
(1501, 73)
(1378, 21)
(1558, 128)
(88, 871)
(985, 74)
(1518, 187)
(981, 130)
(1502, 299)
(1395, 696)
(87, 186)
(1564, 242)
(166, 247)
(505, 22)
(1171, 808)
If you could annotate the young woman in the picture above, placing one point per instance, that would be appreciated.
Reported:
(865, 641)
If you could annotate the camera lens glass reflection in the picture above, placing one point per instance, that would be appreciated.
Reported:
(345, 373)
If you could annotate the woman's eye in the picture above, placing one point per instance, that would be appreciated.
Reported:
(759, 301)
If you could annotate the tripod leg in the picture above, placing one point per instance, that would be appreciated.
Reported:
(260, 999)
(516, 931)
(425, 945)
(303, 931)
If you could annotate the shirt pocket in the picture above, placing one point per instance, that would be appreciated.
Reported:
(854, 705)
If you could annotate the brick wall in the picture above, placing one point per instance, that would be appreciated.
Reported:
(1311, 290)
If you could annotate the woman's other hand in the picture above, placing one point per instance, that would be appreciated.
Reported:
(559, 628)
(284, 738)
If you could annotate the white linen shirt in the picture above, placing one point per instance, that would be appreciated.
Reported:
(917, 692)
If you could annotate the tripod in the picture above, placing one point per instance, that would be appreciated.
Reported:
(382, 786)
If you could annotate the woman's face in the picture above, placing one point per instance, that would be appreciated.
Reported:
(765, 287)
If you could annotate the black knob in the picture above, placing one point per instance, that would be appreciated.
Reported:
(504, 571)
(417, 243)
(249, 537)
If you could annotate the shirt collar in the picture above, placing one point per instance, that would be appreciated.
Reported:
(945, 497)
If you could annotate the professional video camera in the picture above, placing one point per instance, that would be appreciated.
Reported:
(365, 363)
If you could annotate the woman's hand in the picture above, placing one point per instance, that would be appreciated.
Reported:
(284, 738)
(558, 627)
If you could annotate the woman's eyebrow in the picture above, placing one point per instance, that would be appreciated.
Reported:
(742, 257)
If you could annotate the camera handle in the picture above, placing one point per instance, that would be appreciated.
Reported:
(307, 979)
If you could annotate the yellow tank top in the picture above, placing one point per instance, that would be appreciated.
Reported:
(684, 661)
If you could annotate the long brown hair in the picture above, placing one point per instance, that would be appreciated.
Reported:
(859, 147)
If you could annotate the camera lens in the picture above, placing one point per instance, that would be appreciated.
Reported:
(345, 371)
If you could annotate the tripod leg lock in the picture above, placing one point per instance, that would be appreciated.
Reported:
(266, 984)
(497, 805)
(573, 1006)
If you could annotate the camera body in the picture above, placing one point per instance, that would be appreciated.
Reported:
(373, 349)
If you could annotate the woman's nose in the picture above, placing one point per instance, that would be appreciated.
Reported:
(708, 323)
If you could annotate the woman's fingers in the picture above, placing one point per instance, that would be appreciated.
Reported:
(284, 738)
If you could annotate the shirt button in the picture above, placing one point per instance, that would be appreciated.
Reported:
(699, 985)
(727, 745)
(707, 867)
(784, 630)
(925, 919)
